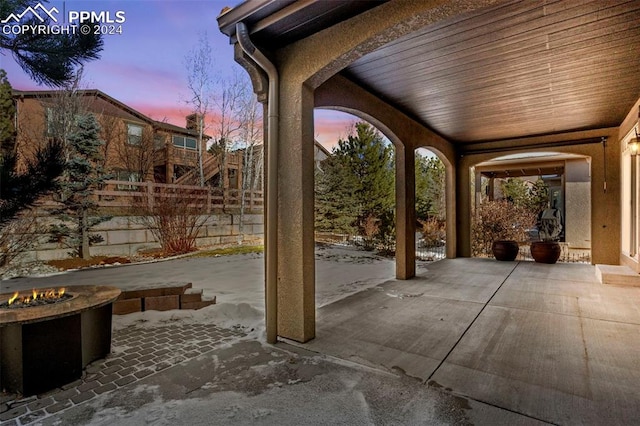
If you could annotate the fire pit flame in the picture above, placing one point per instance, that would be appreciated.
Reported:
(35, 298)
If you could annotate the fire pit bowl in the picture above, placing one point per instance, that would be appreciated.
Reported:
(46, 346)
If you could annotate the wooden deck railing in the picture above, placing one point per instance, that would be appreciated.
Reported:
(124, 194)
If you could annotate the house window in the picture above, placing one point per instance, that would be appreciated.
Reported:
(184, 142)
(127, 176)
(134, 134)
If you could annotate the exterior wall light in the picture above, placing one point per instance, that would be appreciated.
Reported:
(633, 144)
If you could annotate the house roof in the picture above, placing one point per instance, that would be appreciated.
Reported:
(511, 70)
(119, 109)
(321, 148)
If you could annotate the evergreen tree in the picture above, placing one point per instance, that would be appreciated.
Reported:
(538, 196)
(516, 191)
(7, 114)
(430, 188)
(19, 190)
(49, 59)
(84, 174)
(357, 183)
(534, 197)
(335, 209)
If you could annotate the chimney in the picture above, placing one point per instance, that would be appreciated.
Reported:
(193, 121)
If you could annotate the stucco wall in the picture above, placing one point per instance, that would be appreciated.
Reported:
(577, 203)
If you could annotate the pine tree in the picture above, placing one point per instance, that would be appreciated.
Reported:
(430, 188)
(84, 174)
(516, 191)
(357, 184)
(533, 197)
(20, 190)
(7, 114)
(49, 59)
(335, 209)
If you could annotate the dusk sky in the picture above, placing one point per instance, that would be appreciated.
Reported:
(144, 66)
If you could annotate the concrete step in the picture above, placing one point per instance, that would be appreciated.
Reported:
(617, 275)
(199, 304)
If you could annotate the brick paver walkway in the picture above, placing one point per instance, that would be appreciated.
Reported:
(137, 352)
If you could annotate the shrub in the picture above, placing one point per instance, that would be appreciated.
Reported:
(174, 215)
(499, 220)
(370, 228)
(433, 232)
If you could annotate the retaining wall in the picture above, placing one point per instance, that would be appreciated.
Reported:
(127, 236)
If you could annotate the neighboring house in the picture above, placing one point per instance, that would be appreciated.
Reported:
(320, 153)
(137, 148)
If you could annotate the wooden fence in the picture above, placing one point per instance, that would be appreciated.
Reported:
(124, 194)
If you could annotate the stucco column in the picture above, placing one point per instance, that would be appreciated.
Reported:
(405, 213)
(296, 262)
(463, 208)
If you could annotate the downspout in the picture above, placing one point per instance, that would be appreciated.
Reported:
(271, 242)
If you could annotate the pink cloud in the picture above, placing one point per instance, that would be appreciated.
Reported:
(330, 126)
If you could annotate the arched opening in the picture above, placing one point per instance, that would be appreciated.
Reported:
(431, 206)
(512, 194)
(354, 205)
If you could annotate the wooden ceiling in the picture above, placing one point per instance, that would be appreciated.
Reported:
(524, 68)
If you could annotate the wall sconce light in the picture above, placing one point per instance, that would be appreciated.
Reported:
(633, 144)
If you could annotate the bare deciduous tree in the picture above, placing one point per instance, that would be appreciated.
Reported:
(112, 133)
(251, 138)
(199, 64)
(229, 100)
(136, 156)
(62, 110)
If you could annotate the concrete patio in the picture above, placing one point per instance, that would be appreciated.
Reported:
(548, 342)
(468, 341)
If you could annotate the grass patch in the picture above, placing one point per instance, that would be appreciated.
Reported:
(227, 251)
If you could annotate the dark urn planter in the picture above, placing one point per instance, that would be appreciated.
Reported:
(505, 249)
(545, 251)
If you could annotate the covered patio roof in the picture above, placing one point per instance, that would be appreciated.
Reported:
(470, 80)
(511, 70)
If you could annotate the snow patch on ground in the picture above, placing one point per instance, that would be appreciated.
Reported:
(32, 269)
(241, 316)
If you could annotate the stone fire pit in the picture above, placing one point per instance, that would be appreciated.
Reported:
(47, 346)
